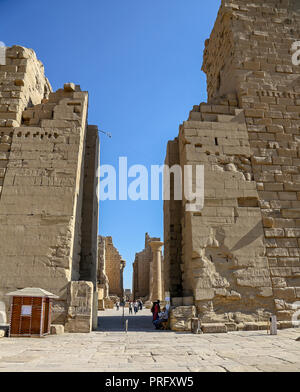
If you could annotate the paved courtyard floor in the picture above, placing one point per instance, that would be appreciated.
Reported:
(143, 349)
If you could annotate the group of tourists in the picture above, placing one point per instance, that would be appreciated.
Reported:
(135, 306)
(160, 317)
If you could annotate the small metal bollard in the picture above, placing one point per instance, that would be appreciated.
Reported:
(273, 325)
(126, 326)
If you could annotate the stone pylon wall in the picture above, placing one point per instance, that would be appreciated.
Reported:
(47, 162)
(90, 209)
(141, 270)
(114, 267)
(22, 83)
(103, 282)
(172, 231)
(241, 253)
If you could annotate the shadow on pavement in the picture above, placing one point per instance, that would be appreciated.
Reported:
(117, 323)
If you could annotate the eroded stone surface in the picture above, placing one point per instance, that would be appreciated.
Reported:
(142, 271)
(57, 329)
(48, 198)
(110, 270)
(239, 256)
(181, 318)
(148, 271)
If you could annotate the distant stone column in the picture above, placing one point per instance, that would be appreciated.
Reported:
(156, 291)
(151, 281)
(122, 267)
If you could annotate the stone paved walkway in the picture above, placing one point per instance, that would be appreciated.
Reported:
(112, 320)
(148, 350)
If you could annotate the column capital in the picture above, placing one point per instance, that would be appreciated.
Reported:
(156, 245)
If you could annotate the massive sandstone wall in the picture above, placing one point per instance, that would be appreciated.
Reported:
(111, 268)
(241, 253)
(48, 219)
(103, 283)
(144, 280)
(173, 263)
(22, 83)
(141, 271)
(90, 209)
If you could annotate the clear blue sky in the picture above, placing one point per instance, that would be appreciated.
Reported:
(141, 63)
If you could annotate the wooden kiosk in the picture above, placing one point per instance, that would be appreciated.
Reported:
(30, 314)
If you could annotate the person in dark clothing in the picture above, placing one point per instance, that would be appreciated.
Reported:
(130, 307)
(155, 311)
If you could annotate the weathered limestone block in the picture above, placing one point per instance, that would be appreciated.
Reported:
(69, 87)
(188, 301)
(57, 329)
(2, 333)
(177, 301)
(180, 318)
(285, 315)
(256, 326)
(287, 293)
(214, 328)
(285, 324)
(266, 292)
(231, 327)
(80, 309)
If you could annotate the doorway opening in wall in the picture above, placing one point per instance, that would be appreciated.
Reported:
(119, 320)
(134, 316)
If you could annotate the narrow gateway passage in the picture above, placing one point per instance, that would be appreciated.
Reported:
(113, 320)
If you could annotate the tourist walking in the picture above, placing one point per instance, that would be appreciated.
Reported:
(118, 305)
(140, 304)
(130, 307)
(136, 308)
